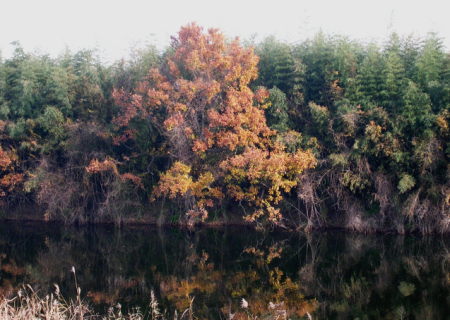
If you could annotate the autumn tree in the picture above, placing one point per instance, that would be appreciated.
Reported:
(11, 177)
(215, 126)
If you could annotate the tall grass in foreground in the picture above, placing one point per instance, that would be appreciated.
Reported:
(29, 305)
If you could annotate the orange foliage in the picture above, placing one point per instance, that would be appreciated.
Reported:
(201, 100)
(96, 166)
(5, 160)
(133, 178)
(205, 280)
(215, 106)
(10, 179)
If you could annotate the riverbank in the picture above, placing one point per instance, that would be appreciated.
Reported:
(163, 217)
(150, 216)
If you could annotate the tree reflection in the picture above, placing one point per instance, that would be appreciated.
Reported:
(328, 276)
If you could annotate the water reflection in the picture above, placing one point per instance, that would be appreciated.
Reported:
(327, 275)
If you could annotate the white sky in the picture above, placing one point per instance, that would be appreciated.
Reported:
(115, 26)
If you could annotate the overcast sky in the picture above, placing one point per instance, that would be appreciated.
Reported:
(115, 26)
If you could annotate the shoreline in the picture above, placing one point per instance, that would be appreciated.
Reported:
(152, 222)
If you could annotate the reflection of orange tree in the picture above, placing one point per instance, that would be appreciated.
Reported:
(268, 290)
(281, 295)
(205, 280)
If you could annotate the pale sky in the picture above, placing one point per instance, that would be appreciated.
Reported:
(114, 26)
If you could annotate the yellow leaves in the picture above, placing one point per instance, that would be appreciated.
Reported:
(273, 214)
(300, 161)
(211, 89)
(204, 192)
(194, 61)
(261, 177)
(204, 280)
(176, 181)
(320, 114)
(442, 121)
(254, 216)
(203, 182)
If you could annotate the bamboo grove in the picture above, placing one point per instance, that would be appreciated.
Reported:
(328, 132)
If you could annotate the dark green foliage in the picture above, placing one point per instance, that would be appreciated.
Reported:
(278, 67)
(415, 116)
(317, 56)
(276, 113)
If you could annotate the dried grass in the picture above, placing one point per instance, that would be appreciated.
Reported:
(28, 304)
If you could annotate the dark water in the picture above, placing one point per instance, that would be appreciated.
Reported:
(328, 275)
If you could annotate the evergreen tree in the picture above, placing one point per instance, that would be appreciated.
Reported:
(416, 116)
(395, 82)
(277, 112)
(431, 69)
(370, 80)
(277, 66)
(318, 57)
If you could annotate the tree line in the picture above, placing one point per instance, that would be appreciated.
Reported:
(326, 132)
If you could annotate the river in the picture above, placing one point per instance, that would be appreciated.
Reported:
(327, 275)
